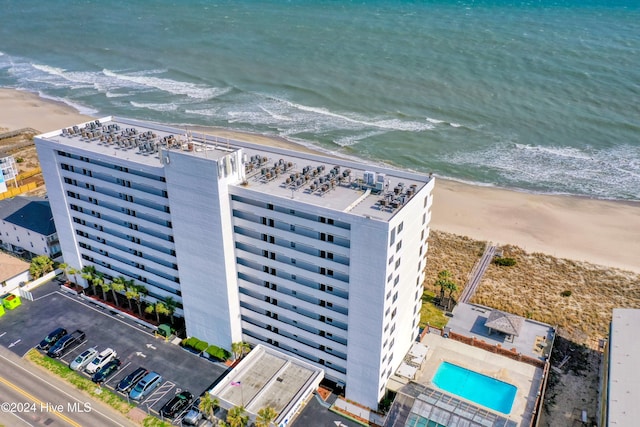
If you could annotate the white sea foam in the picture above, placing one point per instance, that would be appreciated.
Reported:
(155, 106)
(347, 141)
(435, 121)
(209, 112)
(191, 90)
(455, 125)
(82, 109)
(593, 172)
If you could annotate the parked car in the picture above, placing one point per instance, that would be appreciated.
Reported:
(83, 358)
(177, 404)
(145, 386)
(131, 380)
(52, 338)
(106, 371)
(100, 360)
(66, 343)
(194, 415)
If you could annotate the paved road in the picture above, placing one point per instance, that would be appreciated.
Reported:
(30, 398)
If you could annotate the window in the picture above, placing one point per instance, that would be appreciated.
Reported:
(395, 282)
(393, 313)
(390, 259)
(392, 238)
(270, 206)
(292, 227)
(424, 218)
(397, 263)
(399, 246)
(400, 227)
(395, 297)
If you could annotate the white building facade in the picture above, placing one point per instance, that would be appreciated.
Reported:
(27, 227)
(318, 257)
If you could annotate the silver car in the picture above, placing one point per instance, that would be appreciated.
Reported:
(83, 358)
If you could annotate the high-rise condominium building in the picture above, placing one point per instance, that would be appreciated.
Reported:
(317, 256)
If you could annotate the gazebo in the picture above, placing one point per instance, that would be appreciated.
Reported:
(508, 324)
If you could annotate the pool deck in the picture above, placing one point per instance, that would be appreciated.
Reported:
(525, 377)
(533, 341)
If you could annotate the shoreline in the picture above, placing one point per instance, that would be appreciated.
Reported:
(602, 232)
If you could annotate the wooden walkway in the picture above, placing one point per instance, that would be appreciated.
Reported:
(477, 272)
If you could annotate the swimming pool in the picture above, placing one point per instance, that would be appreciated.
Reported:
(481, 389)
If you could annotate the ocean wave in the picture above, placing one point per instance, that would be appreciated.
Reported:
(347, 141)
(391, 124)
(162, 107)
(82, 109)
(560, 170)
(569, 152)
(176, 87)
(208, 112)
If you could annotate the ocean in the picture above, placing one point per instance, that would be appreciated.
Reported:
(539, 96)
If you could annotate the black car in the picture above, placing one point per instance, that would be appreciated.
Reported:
(131, 380)
(66, 343)
(52, 338)
(177, 404)
(106, 371)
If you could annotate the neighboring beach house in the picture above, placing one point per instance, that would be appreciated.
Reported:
(14, 272)
(27, 228)
(319, 257)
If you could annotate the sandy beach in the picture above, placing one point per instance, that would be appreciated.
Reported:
(597, 231)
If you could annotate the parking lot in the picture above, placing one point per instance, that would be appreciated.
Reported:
(23, 328)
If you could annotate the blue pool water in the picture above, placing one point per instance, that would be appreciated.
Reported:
(481, 389)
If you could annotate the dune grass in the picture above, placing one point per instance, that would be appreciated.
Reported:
(578, 297)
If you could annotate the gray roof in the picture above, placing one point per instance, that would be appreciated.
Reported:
(624, 376)
(504, 322)
(32, 213)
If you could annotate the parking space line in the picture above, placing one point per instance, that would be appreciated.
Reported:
(167, 386)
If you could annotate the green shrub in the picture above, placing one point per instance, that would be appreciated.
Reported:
(566, 293)
(19, 160)
(200, 346)
(504, 262)
(218, 353)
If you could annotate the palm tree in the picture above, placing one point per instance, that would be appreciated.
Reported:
(131, 294)
(89, 274)
(265, 416)
(140, 292)
(171, 305)
(72, 271)
(98, 280)
(444, 279)
(208, 404)
(40, 266)
(239, 349)
(158, 308)
(106, 287)
(237, 417)
(65, 268)
(117, 286)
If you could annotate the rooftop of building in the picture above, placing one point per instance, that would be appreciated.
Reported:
(10, 267)
(267, 378)
(31, 213)
(367, 190)
(624, 377)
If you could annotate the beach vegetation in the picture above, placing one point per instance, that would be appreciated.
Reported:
(566, 293)
(504, 261)
(531, 287)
